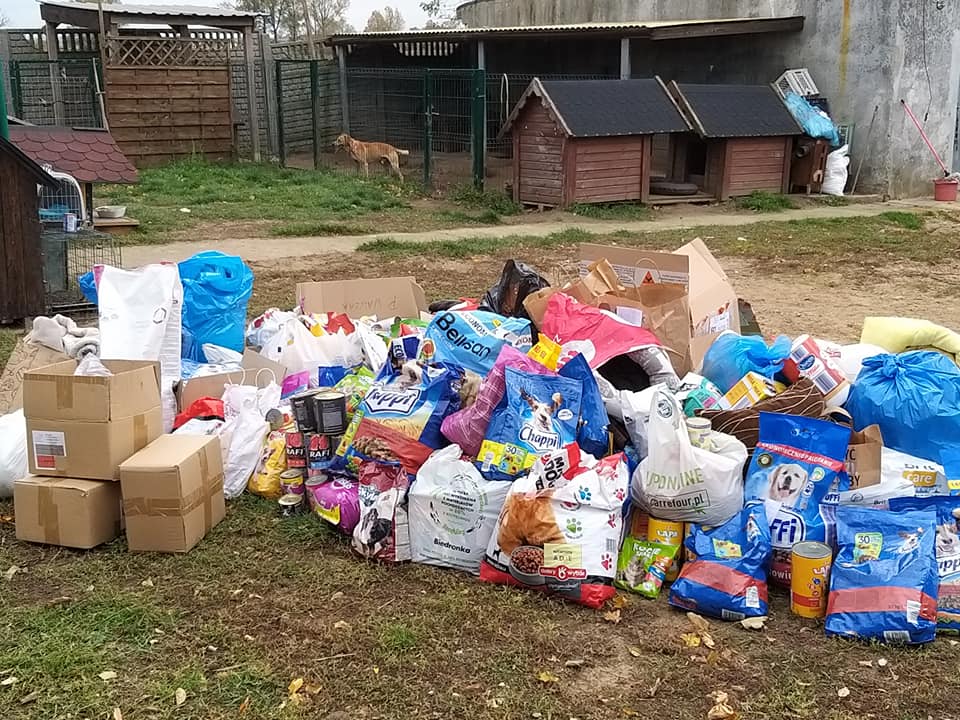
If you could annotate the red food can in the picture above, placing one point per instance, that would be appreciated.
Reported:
(296, 451)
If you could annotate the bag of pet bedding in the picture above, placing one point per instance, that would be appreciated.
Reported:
(642, 565)
(537, 414)
(884, 581)
(472, 339)
(727, 577)
(559, 529)
(453, 512)
(681, 482)
(796, 463)
(415, 409)
(948, 554)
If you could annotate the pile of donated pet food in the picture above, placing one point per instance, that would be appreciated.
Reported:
(613, 429)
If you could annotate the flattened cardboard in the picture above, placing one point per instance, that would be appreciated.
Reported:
(383, 297)
(864, 457)
(25, 356)
(257, 371)
(67, 511)
(172, 493)
(635, 266)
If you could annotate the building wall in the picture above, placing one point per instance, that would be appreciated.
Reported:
(861, 54)
(539, 157)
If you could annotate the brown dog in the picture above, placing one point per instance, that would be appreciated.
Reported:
(363, 153)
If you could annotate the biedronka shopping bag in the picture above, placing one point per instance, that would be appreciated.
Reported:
(680, 482)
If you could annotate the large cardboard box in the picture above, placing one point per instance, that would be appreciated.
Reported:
(256, 370)
(67, 511)
(172, 493)
(84, 427)
(383, 297)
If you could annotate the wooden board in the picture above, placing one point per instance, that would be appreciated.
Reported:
(22, 291)
(538, 158)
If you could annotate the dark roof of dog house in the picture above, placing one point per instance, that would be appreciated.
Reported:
(606, 108)
(726, 111)
(29, 164)
(90, 156)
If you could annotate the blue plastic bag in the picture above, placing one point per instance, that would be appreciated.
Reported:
(884, 582)
(88, 286)
(813, 123)
(592, 433)
(728, 578)
(216, 289)
(915, 399)
(472, 339)
(732, 356)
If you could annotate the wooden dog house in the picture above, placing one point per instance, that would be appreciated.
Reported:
(744, 140)
(588, 141)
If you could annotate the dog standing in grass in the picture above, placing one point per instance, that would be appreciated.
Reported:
(363, 153)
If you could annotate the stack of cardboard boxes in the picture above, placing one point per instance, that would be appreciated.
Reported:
(98, 460)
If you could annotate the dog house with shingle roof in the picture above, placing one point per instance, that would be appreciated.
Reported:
(588, 141)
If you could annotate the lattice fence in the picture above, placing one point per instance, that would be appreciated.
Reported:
(168, 52)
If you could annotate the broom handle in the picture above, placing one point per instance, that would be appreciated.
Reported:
(925, 138)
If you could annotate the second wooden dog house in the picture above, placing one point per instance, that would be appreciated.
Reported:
(588, 141)
(745, 142)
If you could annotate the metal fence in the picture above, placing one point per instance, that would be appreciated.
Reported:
(57, 92)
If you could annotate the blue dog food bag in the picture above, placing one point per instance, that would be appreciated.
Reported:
(796, 463)
(884, 580)
(472, 339)
(592, 433)
(538, 414)
(728, 577)
(948, 554)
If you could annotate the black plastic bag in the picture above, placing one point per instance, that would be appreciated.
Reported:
(516, 282)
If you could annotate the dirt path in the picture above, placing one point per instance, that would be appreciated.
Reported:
(271, 248)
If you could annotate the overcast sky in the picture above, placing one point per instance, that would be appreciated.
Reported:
(26, 13)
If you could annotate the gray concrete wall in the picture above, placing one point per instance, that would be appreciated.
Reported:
(861, 53)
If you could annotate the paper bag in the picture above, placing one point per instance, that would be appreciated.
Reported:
(864, 454)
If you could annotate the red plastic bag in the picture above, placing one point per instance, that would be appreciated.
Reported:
(206, 408)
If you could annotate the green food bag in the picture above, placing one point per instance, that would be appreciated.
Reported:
(642, 566)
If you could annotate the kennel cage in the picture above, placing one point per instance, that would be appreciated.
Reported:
(66, 197)
(67, 256)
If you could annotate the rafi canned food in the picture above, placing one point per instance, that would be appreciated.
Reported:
(810, 564)
(296, 451)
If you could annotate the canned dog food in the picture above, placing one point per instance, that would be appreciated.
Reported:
(291, 482)
(320, 449)
(296, 451)
(330, 412)
(290, 505)
(310, 486)
(301, 406)
(667, 532)
(810, 564)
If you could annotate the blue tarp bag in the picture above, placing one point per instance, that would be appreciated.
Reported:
(728, 578)
(592, 433)
(216, 289)
(884, 582)
(88, 286)
(813, 123)
(732, 356)
(915, 399)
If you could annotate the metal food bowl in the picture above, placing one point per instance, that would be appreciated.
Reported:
(111, 211)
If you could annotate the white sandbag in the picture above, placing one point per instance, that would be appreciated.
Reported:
(13, 451)
(453, 511)
(835, 176)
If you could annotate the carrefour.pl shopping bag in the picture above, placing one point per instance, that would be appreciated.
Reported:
(884, 583)
(678, 481)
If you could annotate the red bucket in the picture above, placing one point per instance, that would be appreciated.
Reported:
(945, 189)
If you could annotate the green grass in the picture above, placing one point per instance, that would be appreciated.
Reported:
(467, 247)
(908, 220)
(315, 229)
(833, 200)
(499, 202)
(764, 202)
(459, 217)
(611, 211)
(8, 341)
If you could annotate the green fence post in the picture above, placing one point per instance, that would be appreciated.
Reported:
(427, 125)
(314, 93)
(283, 141)
(4, 129)
(478, 123)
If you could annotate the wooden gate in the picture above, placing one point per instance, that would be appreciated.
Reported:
(169, 98)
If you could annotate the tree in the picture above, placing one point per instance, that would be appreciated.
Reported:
(4, 20)
(383, 21)
(442, 24)
(278, 15)
(328, 17)
(442, 14)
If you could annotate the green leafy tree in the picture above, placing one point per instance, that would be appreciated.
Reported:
(385, 20)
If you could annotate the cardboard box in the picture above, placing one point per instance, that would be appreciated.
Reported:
(25, 356)
(864, 457)
(172, 493)
(751, 389)
(257, 371)
(383, 297)
(636, 267)
(67, 511)
(84, 427)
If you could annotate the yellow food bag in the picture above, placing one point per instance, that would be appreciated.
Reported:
(265, 481)
(546, 352)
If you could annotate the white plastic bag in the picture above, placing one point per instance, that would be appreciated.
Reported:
(13, 451)
(298, 350)
(835, 176)
(244, 433)
(453, 511)
(680, 482)
(91, 366)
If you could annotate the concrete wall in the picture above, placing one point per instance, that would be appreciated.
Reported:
(861, 53)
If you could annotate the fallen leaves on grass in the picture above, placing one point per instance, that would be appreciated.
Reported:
(10, 572)
(702, 628)
(244, 705)
(294, 687)
(619, 602)
(721, 709)
(180, 696)
(754, 623)
(107, 675)
(545, 676)
(117, 714)
(843, 692)
(341, 625)
(32, 697)
(635, 651)
(147, 583)
(575, 664)
(7, 682)
(690, 639)
(613, 616)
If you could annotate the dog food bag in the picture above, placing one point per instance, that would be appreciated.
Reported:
(948, 555)
(453, 512)
(472, 339)
(560, 527)
(884, 581)
(337, 502)
(928, 477)
(416, 410)
(796, 463)
(383, 532)
(642, 566)
(265, 480)
(592, 433)
(727, 575)
(376, 442)
(355, 386)
(538, 414)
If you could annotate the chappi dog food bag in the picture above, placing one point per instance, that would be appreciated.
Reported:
(560, 528)
(727, 578)
(796, 463)
(948, 554)
(884, 580)
(472, 339)
(538, 414)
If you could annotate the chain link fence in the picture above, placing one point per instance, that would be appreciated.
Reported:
(57, 92)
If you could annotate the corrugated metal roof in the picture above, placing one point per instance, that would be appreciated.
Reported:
(639, 27)
(154, 10)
